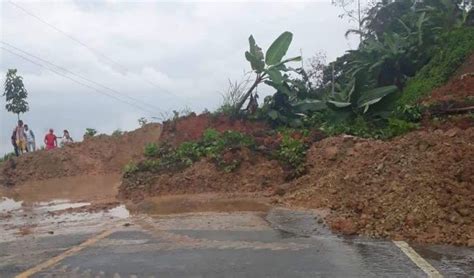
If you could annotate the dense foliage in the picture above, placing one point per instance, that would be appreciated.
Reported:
(456, 46)
(407, 48)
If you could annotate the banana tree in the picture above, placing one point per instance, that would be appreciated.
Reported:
(348, 99)
(269, 67)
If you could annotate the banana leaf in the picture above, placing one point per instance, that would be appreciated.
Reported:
(278, 49)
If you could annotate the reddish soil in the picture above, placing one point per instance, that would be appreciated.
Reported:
(417, 187)
(102, 154)
(466, 67)
(192, 127)
(458, 92)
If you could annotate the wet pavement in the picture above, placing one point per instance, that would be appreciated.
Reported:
(266, 243)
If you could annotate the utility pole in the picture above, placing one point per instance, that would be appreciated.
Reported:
(359, 20)
(301, 54)
(333, 80)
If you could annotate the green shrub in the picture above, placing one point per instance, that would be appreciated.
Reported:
(90, 132)
(6, 157)
(398, 127)
(213, 145)
(130, 168)
(117, 132)
(293, 153)
(456, 47)
(188, 152)
(151, 150)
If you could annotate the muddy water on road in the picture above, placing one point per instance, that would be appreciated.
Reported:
(81, 188)
(178, 204)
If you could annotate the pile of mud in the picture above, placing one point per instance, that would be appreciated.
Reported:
(255, 174)
(417, 187)
(101, 154)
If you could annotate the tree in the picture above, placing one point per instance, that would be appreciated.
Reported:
(269, 67)
(15, 93)
(355, 13)
(142, 121)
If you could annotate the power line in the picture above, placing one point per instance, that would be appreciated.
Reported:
(78, 82)
(64, 33)
(90, 48)
(80, 76)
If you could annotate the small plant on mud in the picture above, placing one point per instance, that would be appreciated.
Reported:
(212, 145)
(117, 133)
(6, 157)
(130, 168)
(398, 127)
(293, 153)
(151, 150)
(142, 121)
(90, 132)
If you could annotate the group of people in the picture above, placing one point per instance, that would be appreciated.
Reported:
(23, 139)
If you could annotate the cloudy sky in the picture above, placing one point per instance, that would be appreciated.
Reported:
(155, 56)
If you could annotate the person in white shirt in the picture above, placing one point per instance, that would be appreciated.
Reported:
(66, 139)
(30, 139)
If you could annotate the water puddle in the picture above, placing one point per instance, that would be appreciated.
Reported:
(119, 212)
(8, 205)
(59, 216)
(197, 203)
(60, 204)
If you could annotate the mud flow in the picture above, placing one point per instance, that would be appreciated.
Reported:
(19, 218)
(177, 204)
(59, 206)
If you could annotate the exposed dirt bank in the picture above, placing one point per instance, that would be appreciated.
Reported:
(102, 154)
(192, 127)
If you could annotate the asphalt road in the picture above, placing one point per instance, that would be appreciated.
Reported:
(282, 243)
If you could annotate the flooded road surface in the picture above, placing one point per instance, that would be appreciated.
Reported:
(200, 236)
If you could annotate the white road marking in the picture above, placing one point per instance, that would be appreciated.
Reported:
(418, 260)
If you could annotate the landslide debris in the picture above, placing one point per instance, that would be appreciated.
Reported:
(102, 154)
(418, 187)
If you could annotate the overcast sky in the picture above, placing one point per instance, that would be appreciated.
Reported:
(168, 55)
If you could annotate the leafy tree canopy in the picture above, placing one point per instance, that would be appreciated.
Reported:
(15, 93)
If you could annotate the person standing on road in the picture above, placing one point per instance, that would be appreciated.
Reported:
(15, 146)
(66, 139)
(30, 139)
(21, 137)
(50, 140)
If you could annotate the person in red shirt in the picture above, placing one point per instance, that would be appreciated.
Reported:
(51, 140)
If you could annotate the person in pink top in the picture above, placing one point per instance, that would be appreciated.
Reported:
(51, 140)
